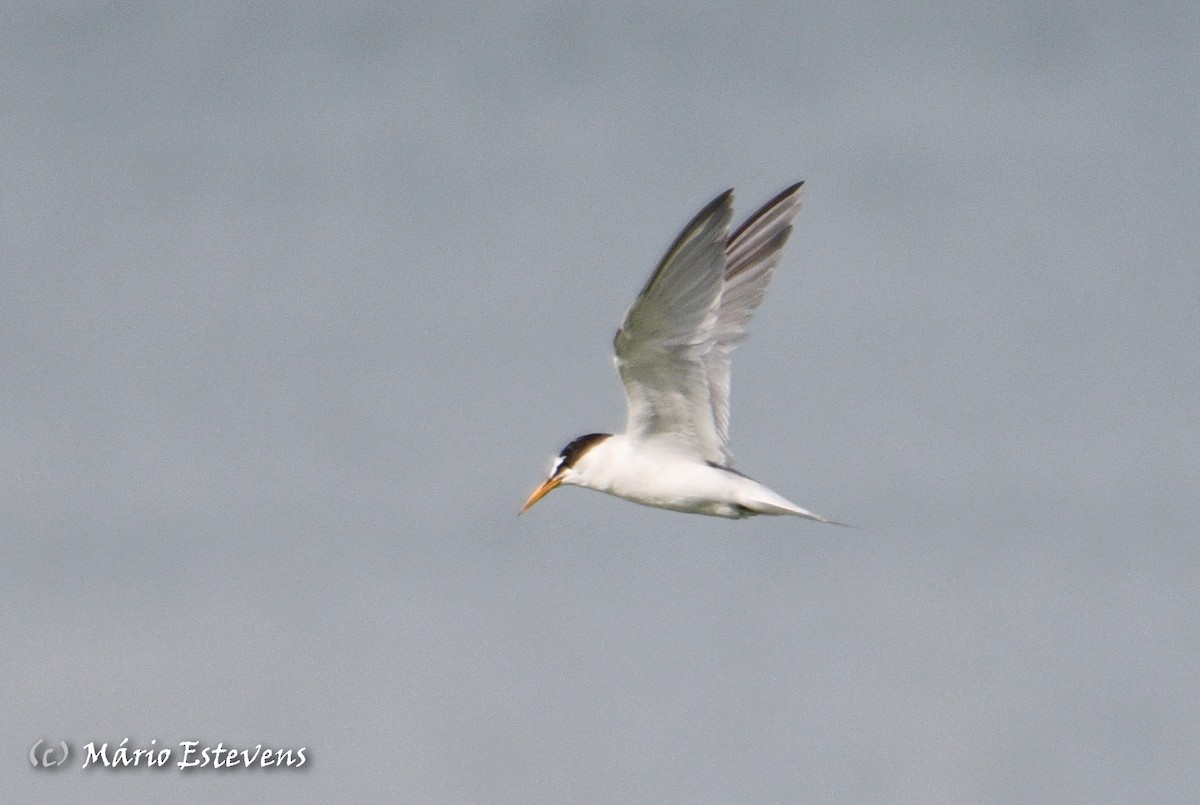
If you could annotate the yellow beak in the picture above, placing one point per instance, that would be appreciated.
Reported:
(541, 492)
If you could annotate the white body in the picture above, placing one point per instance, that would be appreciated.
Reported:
(657, 473)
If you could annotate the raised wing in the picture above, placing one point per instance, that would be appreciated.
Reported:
(672, 350)
(751, 256)
(661, 345)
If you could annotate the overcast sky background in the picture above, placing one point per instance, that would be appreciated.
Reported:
(299, 301)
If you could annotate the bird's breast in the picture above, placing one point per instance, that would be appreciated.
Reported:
(670, 481)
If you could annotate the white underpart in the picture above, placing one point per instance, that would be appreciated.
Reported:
(658, 473)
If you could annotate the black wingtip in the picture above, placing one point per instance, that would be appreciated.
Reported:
(722, 200)
(718, 202)
(721, 205)
(764, 209)
(782, 194)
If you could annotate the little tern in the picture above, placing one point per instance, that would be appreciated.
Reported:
(672, 353)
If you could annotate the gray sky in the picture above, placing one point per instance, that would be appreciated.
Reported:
(300, 300)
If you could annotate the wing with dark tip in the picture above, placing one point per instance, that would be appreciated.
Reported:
(751, 256)
(672, 350)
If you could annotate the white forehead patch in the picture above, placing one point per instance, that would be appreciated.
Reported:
(554, 465)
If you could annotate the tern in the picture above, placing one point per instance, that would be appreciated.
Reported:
(672, 353)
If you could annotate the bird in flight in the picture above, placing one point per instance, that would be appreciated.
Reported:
(672, 353)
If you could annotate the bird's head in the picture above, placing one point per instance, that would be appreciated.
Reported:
(562, 470)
